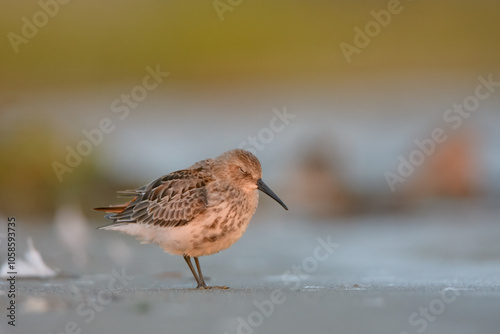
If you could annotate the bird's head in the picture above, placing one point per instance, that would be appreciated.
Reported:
(244, 171)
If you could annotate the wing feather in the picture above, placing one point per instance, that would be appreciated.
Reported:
(174, 199)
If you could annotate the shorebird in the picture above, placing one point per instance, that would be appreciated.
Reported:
(197, 211)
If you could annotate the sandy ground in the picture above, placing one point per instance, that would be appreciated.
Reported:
(433, 272)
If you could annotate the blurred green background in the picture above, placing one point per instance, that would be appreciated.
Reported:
(92, 42)
(226, 77)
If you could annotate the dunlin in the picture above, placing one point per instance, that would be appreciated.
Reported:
(197, 211)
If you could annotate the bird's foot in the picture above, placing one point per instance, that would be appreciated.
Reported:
(212, 287)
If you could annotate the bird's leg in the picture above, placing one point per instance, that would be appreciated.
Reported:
(201, 284)
(188, 261)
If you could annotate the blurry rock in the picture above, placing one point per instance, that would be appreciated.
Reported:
(36, 305)
(43, 304)
(31, 266)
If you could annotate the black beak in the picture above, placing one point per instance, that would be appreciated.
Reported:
(266, 190)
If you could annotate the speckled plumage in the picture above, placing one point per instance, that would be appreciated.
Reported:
(197, 211)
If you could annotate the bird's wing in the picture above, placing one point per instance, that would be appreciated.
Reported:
(172, 200)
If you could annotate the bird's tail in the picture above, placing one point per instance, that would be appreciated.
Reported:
(118, 208)
(113, 208)
(112, 211)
